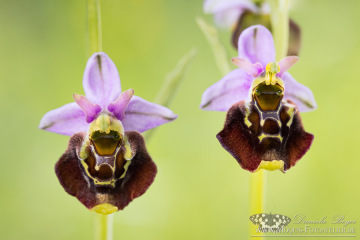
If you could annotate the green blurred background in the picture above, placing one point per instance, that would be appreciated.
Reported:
(200, 191)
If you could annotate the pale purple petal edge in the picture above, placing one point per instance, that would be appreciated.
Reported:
(301, 95)
(66, 120)
(101, 80)
(142, 115)
(256, 44)
(227, 12)
(231, 89)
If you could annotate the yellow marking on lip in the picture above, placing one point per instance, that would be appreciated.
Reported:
(97, 182)
(128, 154)
(247, 114)
(83, 152)
(271, 165)
(126, 166)
(291, 112)
(97, 167)
(263, 135)
(262, 120)
(105, 123)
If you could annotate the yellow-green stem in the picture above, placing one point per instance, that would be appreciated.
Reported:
(280, 26)
(103, 223)
(94, 38)
(257, 197)
(103, 226)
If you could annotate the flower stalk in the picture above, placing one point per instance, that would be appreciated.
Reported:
(103, 223)
(279, 16)
(94, 36)
(103, 227)
(257, 197)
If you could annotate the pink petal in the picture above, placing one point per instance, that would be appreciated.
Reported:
(91, 110)
(228, 12)
(251, 69)
(227, 19)
(286, 63)
(256, 44)
(118, 107)
(101, 80)
(141, 115)
(231, 89)
(213, 6)
(301, 95)
(67, 120)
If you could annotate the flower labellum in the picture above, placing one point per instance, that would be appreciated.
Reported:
(106, 164)
(263, 128)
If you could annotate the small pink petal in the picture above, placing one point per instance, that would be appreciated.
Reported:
(118, 107)
(91, 110)
(252, 69)
(286, 63)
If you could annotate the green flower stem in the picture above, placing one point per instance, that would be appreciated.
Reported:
(93, 27)
(280, 26)
(103, 226)
(103, 223)
(257, 197)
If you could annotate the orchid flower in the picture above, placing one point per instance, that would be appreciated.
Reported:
(263, 127)
(237, 15)
(106, 164)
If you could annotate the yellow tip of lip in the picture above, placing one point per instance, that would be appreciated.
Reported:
(105, 208)
(271, 165)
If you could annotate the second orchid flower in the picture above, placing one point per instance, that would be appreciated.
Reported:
(263, 127)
